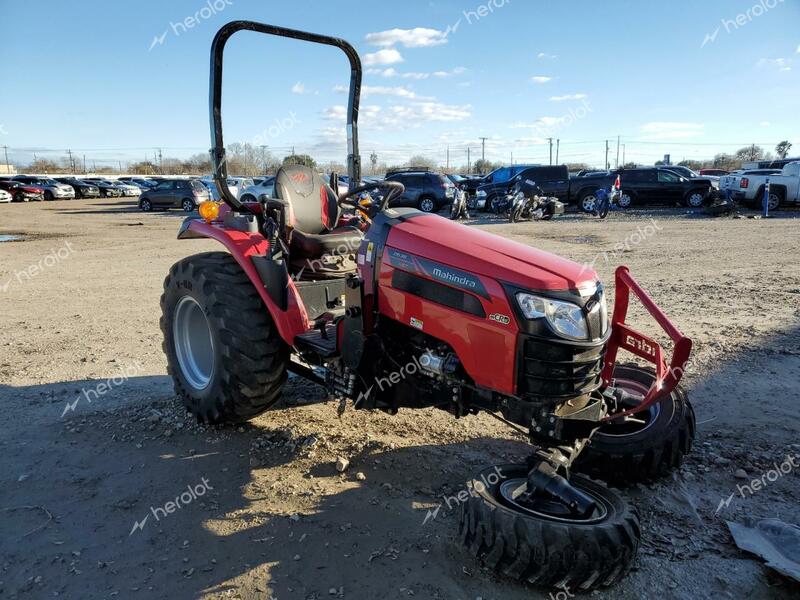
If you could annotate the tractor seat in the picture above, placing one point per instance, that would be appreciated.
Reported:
(312, 213)
(337, 242)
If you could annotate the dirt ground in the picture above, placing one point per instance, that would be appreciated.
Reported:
(95, 444)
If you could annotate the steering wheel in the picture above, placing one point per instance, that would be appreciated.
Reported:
(395, 190)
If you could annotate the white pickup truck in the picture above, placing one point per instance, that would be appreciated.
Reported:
(748, 186)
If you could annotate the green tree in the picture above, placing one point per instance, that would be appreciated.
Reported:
(782, 149)
(300, 159)
(421, 162)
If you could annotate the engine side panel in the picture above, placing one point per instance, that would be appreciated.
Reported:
(473, 316)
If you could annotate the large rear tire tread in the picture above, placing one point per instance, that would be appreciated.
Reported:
(648, 456)
(547, 553)
(251, 357)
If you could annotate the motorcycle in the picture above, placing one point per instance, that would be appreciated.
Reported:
(458, 208)
(528, 202)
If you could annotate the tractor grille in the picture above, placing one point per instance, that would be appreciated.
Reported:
(553, 369)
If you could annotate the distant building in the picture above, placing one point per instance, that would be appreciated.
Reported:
(7, 169)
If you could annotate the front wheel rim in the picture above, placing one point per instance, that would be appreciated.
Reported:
(426, 205)
(695, 200)
(624, 201)
(773, 202)
(188, 206)
(194, 344)
(589, 203)
(146, 205)
(547, 509)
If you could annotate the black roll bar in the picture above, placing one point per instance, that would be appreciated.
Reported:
(218, 162)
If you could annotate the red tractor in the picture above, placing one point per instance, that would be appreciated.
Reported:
(396, 308)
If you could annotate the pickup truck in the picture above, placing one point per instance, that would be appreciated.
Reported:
(554, 181)
(748, 187)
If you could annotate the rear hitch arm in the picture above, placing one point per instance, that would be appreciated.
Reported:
(626, 338)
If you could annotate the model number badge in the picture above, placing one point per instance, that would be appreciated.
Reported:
(500, 318)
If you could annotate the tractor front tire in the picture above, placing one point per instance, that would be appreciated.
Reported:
(631, 452)
(226, 359)
(550, 552)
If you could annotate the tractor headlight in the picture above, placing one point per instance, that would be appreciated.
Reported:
(565, 317)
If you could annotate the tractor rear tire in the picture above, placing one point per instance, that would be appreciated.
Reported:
(629, 453)
(226, 358)
(549, 552)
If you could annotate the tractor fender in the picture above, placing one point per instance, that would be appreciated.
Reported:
(290, 320)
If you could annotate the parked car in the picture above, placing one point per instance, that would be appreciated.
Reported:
(128, 189)
(52, 188)
(235, 185)
(174, 193)
(5, 196)
(142, 182)
(689, 174)
(426, 190)
(83, 189)
(731, 180)
(253, 192)
(748, 187)
(714, 172)
(555, 182)
(21, 192)
(107, 188)
(661, 185)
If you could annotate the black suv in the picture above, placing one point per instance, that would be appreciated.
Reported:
(660, 185)
(426, 190)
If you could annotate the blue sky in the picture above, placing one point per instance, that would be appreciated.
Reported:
(93, 76)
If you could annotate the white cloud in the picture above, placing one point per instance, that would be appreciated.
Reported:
(388, 56)
(379, 90)
(671, 129)
(567, 97)
(431, 111)
(782, 64)
(540, 79)
(391, 72)
(764, 124)
(547, 56)
(419, 37)
(299, 88)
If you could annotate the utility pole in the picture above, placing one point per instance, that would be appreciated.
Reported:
(512, 159)
(71, 163)
(447, 168)
(558, 144)
(550, 141)
(160, 163)
(264, 157)
(119, 162)
(607, 165)
(623, 154)
(8, 168)
(617, 163)
(468, 162)
(483, 148)
(84, 164)
(753, 152)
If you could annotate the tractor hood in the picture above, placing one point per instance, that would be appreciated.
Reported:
(475, 251)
